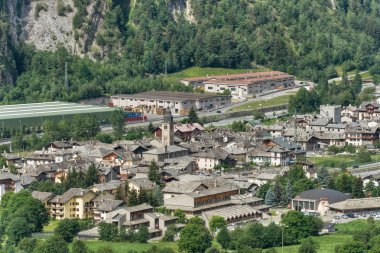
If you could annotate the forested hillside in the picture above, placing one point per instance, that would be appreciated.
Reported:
(113, 45)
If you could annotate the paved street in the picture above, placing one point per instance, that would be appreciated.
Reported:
(340, 78)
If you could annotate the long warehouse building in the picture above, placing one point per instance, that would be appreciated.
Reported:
(34, 114)
(180, 103)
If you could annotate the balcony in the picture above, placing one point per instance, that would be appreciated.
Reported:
(57, 207)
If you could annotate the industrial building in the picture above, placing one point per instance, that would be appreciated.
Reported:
(243, 85)
(179, 103)
(34, 114)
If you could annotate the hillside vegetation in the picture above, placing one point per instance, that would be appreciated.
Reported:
(111, 46)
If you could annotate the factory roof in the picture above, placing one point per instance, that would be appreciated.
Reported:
(247, 81)
(169, 96)
(47, 109)
(250, 75)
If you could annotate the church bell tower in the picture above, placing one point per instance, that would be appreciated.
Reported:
(167, 128)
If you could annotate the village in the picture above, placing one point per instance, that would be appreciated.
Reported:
(145, 167)
(196, 171)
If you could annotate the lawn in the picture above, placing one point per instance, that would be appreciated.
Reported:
(327, 243)
(339, 70)
(263, 103)
(339, 160)
(200, 72)
(353, 226)
(51, 226)
(124, 247)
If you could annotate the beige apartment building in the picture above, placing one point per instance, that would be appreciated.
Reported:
(179, 103)
(75, 203)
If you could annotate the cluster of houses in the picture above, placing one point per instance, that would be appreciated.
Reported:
(197, 168)
(333, 126)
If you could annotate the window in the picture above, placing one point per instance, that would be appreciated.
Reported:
(209, 87)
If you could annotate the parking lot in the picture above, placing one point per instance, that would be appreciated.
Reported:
(343, 218)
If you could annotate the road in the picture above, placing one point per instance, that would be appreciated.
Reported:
(340, 78)
(229, 121)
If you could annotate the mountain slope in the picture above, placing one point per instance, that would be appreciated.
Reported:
(132, 38)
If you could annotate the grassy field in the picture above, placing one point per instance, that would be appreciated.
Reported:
(199, 72)
(124, 247)
(353, 226)
(337, 160)
(339, 70)
(327, 243)
(264, 103)
(51, 226)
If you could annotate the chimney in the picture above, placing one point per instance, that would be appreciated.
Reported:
(166, 148)
(81, 192)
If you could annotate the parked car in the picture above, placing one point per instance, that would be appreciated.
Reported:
(350, 215)
(344, 216)
(337, 217)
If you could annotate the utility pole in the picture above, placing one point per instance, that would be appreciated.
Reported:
(66, 78)
(166, 67)
(295, 127)
(282, 239)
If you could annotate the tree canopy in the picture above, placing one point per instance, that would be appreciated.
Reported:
(307, 38)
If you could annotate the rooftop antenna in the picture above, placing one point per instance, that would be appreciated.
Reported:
(66, 78)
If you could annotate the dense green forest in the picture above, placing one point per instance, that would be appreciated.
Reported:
(140, 39)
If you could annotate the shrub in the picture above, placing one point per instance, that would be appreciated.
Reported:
(40, 7)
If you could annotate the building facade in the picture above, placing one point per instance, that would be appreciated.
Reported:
(244, 85)
(179, 103)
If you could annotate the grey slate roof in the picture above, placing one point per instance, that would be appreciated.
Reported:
(333, 196)
(43, 196)
(164, 150)
(215, 153)
(111, 185)
(109, 205)
(285, 143)
(71, 193)
(320, 122)
(182, 187)
(143, 183)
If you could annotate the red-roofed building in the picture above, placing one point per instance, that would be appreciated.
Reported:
(242, 85)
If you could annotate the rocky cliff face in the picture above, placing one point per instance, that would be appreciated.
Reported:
(46, 28)
(40, 24)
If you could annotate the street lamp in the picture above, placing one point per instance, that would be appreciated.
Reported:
(282, 239)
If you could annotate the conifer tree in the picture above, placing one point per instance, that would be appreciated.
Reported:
(154, 173)
(193, 116)
(288, 193)
(270, 198)
(357, 188)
